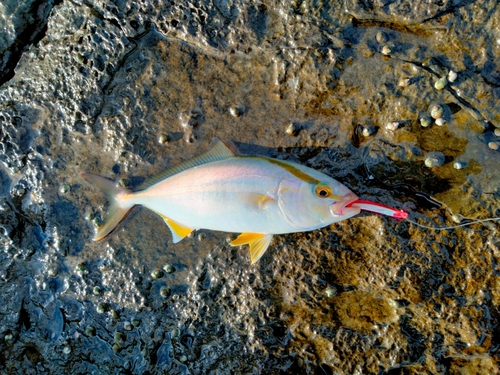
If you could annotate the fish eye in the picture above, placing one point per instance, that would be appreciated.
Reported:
(322, 190)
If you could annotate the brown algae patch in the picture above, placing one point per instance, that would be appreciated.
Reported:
(438, 138)
(473, 365)
(362, 311)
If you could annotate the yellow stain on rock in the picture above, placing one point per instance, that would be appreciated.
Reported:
(361, 310)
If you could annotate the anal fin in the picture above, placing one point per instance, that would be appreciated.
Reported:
(258, 243)
(179, 231)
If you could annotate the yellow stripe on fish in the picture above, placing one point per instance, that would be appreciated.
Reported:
(256, 196)
(293, 170)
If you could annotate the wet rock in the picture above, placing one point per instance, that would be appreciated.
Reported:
(164, 354)
(73, 309)
(54, 326)
(479, 364)
(397, 12)
(128, 89)
(22, 25)
(205, 281)
(362, 311)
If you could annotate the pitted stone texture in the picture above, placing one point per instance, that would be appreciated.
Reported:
(366, 295)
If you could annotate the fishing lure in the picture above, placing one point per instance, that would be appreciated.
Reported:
(378, 208)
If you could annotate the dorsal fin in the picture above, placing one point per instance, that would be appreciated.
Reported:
(218, 151)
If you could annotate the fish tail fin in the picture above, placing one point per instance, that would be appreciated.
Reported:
(119, 207)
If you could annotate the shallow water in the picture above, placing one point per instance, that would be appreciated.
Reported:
(128, 89)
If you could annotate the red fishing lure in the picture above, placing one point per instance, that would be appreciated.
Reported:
(378, 208)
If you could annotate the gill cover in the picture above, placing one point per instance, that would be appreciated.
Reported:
(299, 204)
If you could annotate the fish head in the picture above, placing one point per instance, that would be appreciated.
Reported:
(315, 203)
(329, 200)
(340, 204)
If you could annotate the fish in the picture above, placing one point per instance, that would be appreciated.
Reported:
(219, 190)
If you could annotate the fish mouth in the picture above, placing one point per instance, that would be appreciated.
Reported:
(340, 207)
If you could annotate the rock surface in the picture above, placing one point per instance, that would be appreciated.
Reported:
(128, 88)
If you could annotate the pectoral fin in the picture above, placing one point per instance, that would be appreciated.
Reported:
(258, 244)
(178, 231)
(258, 201)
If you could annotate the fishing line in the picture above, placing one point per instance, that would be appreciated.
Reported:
(454, 226)
(365, 150)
